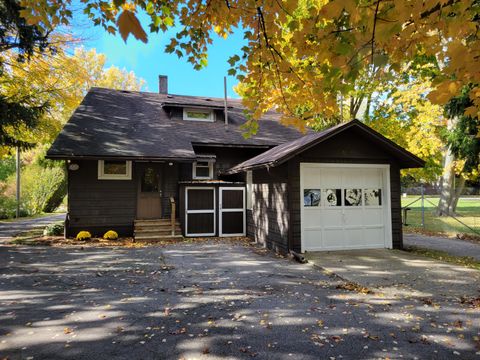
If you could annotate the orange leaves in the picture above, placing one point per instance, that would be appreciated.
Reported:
(445, 91)
(128, 24)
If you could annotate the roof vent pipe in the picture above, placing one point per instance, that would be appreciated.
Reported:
(163, 84)
(225, 100)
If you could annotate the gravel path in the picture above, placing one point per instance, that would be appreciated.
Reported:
(211, 301)
(9, 229)
(449, 245)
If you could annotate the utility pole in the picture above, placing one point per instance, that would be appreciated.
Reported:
(18, 183)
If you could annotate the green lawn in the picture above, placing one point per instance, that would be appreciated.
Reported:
(468, 212)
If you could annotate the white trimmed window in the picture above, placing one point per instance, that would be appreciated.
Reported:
(202, 170)
(249, 190)
(114, 170)
(195, 114)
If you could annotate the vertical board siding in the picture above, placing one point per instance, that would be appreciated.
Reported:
(96, 205)
(396, 203)
(170, 177)
(100, 205)
(268, 222)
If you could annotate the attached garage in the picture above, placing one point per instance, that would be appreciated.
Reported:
(338, 189)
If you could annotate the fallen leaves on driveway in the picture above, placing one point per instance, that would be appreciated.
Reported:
(351, 286)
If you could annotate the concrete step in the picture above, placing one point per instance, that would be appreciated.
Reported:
(157, 238)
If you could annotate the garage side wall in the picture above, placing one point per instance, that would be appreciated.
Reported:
(396, 202)
(268, 221)
(349, 148)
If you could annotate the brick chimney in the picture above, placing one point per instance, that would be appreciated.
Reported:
(163, 84)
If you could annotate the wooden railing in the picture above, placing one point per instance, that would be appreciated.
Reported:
(172, 214)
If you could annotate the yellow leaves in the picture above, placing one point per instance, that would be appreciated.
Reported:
(129, 24)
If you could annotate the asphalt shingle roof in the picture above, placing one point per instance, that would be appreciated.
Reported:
(285, 151)
(129, 124)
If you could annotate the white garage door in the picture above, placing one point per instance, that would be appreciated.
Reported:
(345, 206)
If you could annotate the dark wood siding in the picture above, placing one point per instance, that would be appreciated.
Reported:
(225, 159)
(101, 205)
(170, 178)
(396, 202)
(268, 222)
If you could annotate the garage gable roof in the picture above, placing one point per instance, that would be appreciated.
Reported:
(281, 153)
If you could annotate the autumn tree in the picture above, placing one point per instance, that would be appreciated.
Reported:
(60, 80)
(301, 51)
(462, 157)
(21, 39)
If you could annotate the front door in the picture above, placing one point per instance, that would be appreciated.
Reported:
(149, 202)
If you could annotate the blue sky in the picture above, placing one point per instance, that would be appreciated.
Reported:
(149, 60)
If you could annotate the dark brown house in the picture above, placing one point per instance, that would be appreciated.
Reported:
(155, 165)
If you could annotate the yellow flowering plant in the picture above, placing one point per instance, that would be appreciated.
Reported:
(110, 235)
(83, 235)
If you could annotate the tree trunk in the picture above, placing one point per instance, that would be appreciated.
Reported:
(460, 184)
(449, 192)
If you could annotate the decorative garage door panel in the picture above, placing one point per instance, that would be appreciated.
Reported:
(344, 207)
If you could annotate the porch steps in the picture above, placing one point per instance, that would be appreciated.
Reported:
(156, 230)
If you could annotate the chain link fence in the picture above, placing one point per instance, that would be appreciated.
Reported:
(419, 213)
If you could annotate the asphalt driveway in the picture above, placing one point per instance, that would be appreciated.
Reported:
(9, 229)
(446, 244)
(399, 273)
(212, 301)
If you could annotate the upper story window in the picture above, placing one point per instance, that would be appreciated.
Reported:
(114, 170)
(195, 114)
(202, 170)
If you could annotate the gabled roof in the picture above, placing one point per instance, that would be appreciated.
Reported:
(129, 124)
(281, 153)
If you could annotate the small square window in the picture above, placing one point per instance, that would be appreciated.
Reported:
(198, 115)
(311, 197)
(373, 197)
(202, 170)
(353, 197)
(114, 170)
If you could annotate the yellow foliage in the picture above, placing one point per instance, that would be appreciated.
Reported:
(302, 51)
(61, 80)
(110, 235)
(83, 235)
